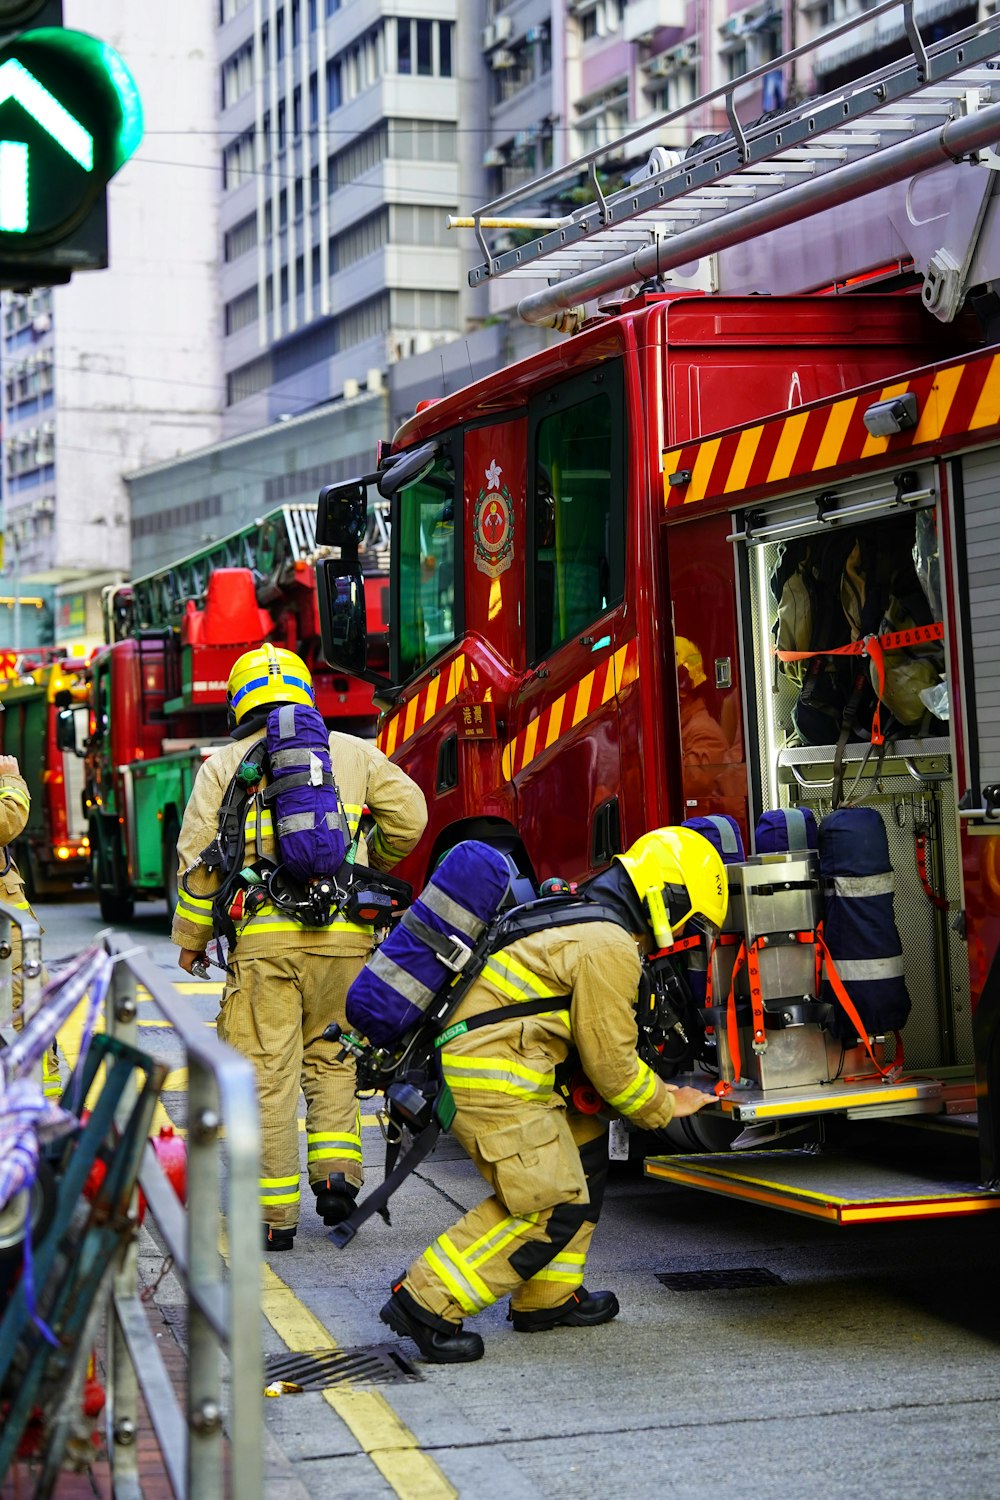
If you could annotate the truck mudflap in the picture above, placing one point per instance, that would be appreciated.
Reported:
(838, 1187)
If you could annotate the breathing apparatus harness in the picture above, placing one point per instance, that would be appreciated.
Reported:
(409, 1074)
(249, 883)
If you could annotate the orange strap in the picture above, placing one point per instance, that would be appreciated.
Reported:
(875, 647)
(723, 940)
(888, 1072)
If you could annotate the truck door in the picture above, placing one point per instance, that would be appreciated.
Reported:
(563, 749)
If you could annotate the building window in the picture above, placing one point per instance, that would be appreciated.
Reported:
(424, 48)
(334, 92)
(237, 75)
(242, 311)
(282, 126)
(248, 380)
(419, 224)
(359, 157)
(423, 140)
(230, 8)
(313, 99)
(363, 322)
(673, 82)
(404, 56)
(425, 309)
(241, 239)
(362, 239)
(602, 117)
(238, 161)
(750, 39)
(425, 59)
(279, 35)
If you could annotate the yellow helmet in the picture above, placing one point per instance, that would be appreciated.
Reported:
(687, 655)
(676, 868)
(265, 676)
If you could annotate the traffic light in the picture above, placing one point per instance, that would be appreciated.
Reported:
(70, 116)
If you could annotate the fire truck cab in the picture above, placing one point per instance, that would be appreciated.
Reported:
(602, 559)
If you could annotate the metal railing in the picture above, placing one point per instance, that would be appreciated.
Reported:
(223, 1309)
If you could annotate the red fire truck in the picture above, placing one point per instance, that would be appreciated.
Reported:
(157, 691)
(53, 851)
(587, 552)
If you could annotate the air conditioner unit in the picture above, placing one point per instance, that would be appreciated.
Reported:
(374, 382)
(351, 388)
(502, 58)
(45, 507)
(41, 324)
(494, 157)
(423, 343)
(660, 65)
(690, 49)
(504, 28)
(489, 39)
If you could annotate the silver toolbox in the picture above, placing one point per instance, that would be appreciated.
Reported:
(779, 894)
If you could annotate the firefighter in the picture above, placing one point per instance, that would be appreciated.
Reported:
(545, 1164)
(15, 804)
(286, 982)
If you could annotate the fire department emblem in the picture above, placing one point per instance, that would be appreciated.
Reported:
(493, 524)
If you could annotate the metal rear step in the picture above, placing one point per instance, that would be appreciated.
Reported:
(838, 1187)
(929, 109)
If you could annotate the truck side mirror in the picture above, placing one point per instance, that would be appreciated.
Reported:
(66, 721)
(344, 620)
(343, 516)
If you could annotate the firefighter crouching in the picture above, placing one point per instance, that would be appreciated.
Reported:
(545, 1164)
(287, 981)
(15, 804)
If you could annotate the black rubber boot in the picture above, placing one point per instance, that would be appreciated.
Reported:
(583, 1310)
(276, 1238)
(441, 1342)
(334, 1198)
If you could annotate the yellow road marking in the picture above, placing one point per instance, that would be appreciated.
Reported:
(391, 1446)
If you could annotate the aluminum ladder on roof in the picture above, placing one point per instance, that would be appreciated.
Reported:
(940, 105)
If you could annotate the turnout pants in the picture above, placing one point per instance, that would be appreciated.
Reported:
(274, 1011)
(547, 1167)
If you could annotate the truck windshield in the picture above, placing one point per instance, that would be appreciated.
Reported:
(424, 542)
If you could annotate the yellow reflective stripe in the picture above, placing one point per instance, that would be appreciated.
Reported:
(14, 794)
(266, 821)
(20, 905)
(353, 809)
(197, 903)
(284, 924)
(496, 1064)
(496, 1239)
(469, 1290)
(273, 1200)
(496, 1086)
(387, 850)
(638, 1093)
(567, 1269)
(192, 914)
(343, 1147)
(513, 979)
(279, 1181)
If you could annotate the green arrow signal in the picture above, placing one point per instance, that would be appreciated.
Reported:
(23, 87)
(18, 84)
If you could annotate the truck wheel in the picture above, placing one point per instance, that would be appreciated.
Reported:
(171, 833)
(114, 906)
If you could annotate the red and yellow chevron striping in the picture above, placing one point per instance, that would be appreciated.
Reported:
(443, 688)
(952, 399)
(583, 698)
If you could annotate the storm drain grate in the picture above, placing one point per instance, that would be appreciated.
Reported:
(316, 1369)
(719, 1281)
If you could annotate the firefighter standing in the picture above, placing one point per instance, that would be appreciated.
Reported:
(547, 1165)
(287, 981)
(15, 804)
